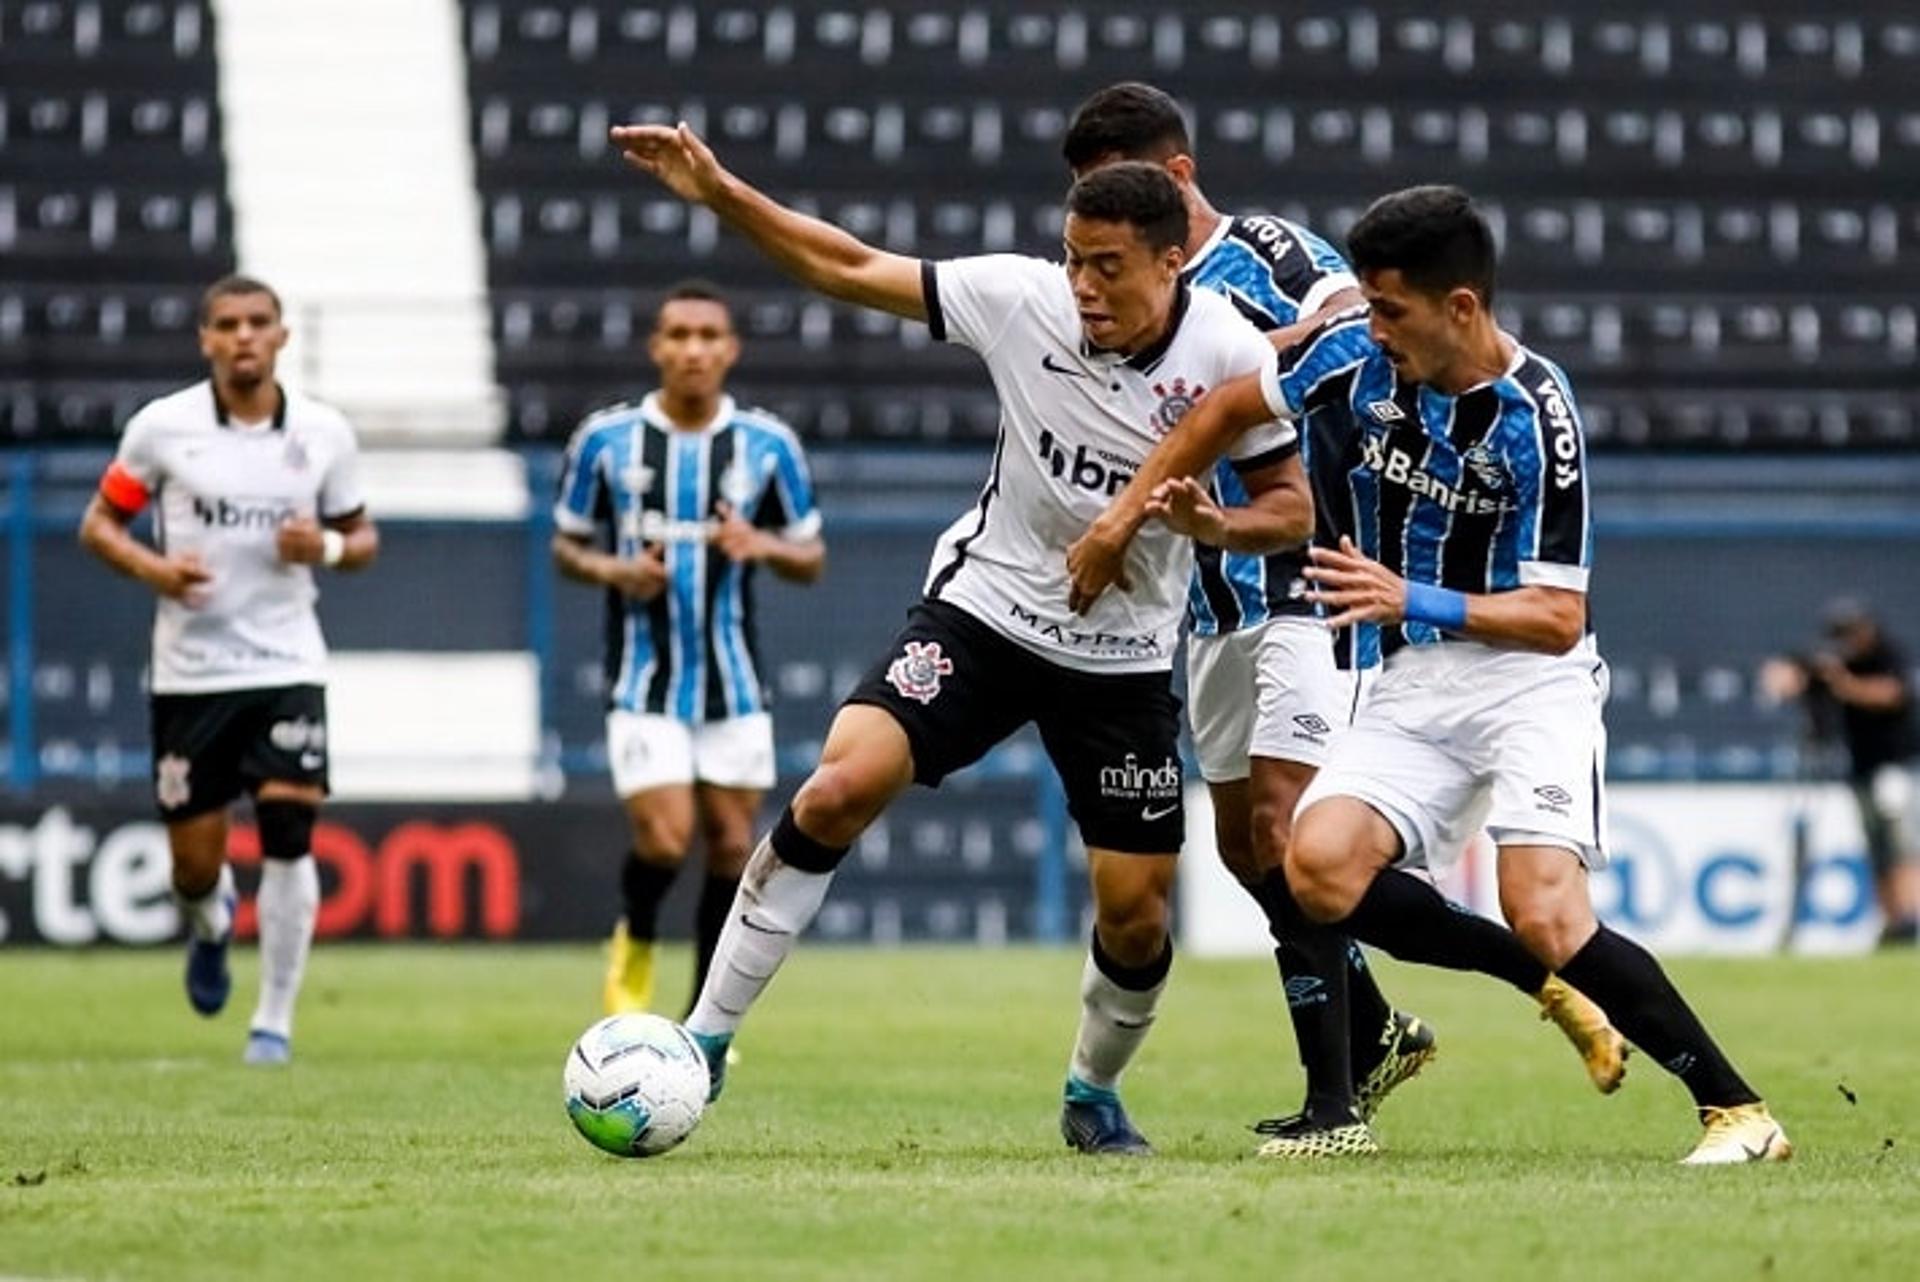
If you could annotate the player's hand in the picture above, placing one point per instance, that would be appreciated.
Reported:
(675, 155)
(1358, 588)
(182, 577)
(1186, 507)
(641, 577)
(299, 542)
(736, 539)
(1096, 561)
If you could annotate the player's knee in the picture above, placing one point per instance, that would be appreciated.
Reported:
(286, 827)
(1134, 931)
(1313, 865)
(1552, 930)
(1272, 832)
(836, 803)
(660, 836)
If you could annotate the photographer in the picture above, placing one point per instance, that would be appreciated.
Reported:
(1857, 684)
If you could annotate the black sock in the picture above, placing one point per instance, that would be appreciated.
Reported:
(716, 900)
(1644, 1005)
(1367, 1007)
(1404, 917)
(1367, 1013)
(642, 886)
(1314, 969)
(797, 850)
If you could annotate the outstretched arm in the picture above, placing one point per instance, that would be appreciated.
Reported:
(1096, 560)
(815, 253)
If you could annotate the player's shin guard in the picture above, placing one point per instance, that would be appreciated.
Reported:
(781, 891)
(288, 902)
(1643, 1003)
(1116, 1009)
(1314, 967)
(1406, 918)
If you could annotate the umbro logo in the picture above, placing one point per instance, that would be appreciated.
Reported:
(1553, 796)
(1385, 411)
(1304, 990)
(1047, 363)
(1311, 726)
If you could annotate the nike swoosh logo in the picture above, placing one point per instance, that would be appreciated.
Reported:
(1046, 363)
(1149, 814)
(1759, 1154)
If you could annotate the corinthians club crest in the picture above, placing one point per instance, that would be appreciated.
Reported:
(1175, 401)
(916, 673)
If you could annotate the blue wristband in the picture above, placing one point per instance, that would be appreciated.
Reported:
(1441, 607)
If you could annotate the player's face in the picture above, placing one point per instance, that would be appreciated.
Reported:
(693, 346)
(241, 338)
(1122, 287)
(1422, 333)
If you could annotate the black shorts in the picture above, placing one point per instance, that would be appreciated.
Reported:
(210, 748)
(958, 688)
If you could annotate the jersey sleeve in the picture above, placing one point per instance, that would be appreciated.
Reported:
(970, 301)
(134, 474)
(1246, 352)
(1547, 456)
(787, 505)
(1289, 379)
(582, 478)
(340, 492)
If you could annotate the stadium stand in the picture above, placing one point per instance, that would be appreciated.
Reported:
(1612, 148)
(113, 207)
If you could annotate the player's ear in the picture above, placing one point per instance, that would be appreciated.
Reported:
(1462, 305)
(1180, 168)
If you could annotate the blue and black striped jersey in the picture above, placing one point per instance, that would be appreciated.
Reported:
(633, 479)
(1481, 492)
(1273, 271)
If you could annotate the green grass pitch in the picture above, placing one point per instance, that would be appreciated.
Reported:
(894, 1117)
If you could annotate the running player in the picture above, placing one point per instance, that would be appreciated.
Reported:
(1091, 363)
(686, 493)
(1264, 693)
(254, 486)
(1473, 551)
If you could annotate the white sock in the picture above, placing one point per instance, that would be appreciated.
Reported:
(774, 904)
(211, 915)
(289, 900)
(1113, 1023)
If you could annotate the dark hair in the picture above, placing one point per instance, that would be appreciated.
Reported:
(1432, 235)
(1130, 120)
(230, 286)
(1133, 192)
(695, 289)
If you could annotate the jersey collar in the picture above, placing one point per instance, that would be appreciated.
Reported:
(651, 411)
(224, 417)
(1147, 357)
(1211, 243)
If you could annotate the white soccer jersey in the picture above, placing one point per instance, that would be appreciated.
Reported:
(1075, 423)
(223, 489)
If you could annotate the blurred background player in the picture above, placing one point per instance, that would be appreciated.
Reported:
(1856, 689)
(1264, 691)
(1090, 364)
(255, 486)
(686, 493)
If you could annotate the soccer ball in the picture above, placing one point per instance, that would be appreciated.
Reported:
(636, 1085)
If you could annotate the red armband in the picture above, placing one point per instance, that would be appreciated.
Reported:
(123, 489)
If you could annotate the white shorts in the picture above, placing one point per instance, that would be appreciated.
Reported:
(1458, 736)
(649, 751)
(1266, 691)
